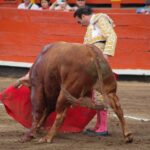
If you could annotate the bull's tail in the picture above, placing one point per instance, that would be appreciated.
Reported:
(83, 101)
(99, 70)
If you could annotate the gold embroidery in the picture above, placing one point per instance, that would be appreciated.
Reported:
(107, 33)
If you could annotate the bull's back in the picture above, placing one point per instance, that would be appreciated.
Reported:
(72, 57)
(57, 54)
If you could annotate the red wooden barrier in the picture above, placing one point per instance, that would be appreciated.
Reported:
(23, 33)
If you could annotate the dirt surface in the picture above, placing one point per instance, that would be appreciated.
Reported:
(135, 101)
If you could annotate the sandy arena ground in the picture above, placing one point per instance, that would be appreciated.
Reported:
(135, 101)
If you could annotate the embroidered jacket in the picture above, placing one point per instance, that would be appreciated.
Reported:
(101, 29)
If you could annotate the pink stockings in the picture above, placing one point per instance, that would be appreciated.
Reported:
(101, 124)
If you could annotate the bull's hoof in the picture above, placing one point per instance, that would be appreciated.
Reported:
(25, 139)
(45, 140)
(129, 138)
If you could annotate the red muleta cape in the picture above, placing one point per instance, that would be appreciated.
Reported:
(18, 105)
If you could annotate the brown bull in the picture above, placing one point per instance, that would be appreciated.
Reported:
(64, 71)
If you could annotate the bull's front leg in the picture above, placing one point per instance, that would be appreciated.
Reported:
(61, 109)
(114, 102)
(38, 113)
(53, 131)
(33, 130)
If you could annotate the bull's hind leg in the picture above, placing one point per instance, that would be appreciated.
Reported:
(115, 104)
(39, 113)
(61, 109)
